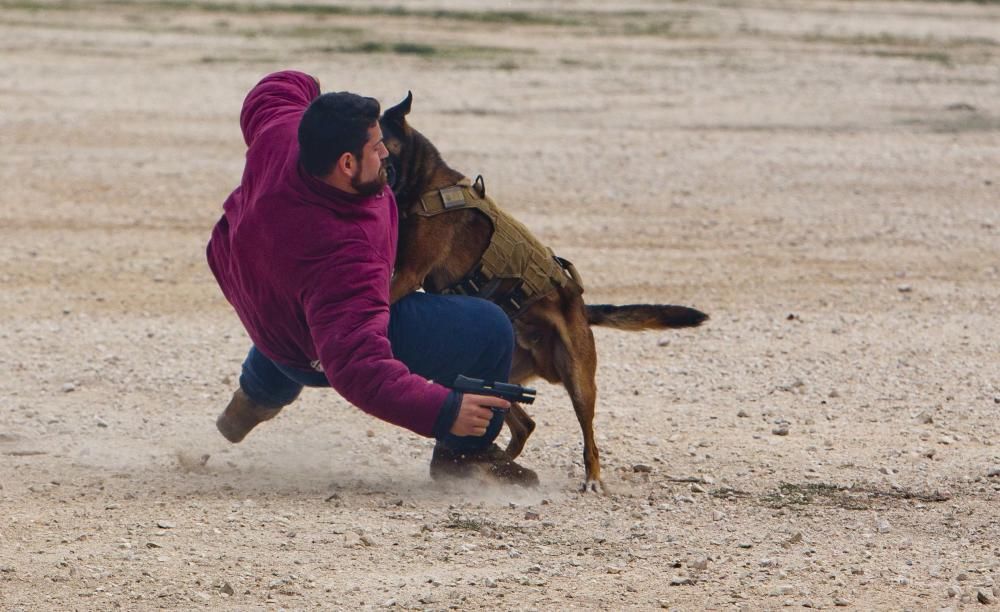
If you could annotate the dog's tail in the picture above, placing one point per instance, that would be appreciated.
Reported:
(634, 317)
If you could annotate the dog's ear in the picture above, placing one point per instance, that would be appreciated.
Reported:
(397, 114)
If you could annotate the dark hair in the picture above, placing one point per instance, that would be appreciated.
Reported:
(334, 124)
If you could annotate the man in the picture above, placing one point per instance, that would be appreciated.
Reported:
(304, 252)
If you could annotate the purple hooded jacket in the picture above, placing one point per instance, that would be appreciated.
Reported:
(307, 266)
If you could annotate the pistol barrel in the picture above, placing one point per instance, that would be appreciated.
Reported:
(508, 391)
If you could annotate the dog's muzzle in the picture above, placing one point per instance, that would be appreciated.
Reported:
(390, 175)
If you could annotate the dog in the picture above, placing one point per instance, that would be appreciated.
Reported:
(441, 248)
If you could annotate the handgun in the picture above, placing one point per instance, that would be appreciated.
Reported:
(508, 391)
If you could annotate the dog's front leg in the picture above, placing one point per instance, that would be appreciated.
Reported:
(521, 425)
(422, 248)
(404, 282)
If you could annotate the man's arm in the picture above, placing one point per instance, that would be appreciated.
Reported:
(347, 311)
(350, 336)
(274, 97)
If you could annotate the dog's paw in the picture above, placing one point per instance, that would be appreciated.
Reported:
(595, 486)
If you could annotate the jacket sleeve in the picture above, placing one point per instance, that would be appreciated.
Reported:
(346, 304)
(274, 97)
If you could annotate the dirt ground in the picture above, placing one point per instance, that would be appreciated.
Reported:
(821, 176)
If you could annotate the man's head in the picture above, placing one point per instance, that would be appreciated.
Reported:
(340, 142)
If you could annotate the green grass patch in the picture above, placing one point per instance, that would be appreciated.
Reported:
(936, 57)
(956, 123)
(502, 17)
(466, 523)
(573, 62)
(728, 493)
(790, 494)
(381, 47)
(409, 48)
(302, 32)
(886, 39)
(419, 50)
(963, 1)
(650, 28)
(883, 39)
(28, 5)
(492, 17)
(839, 496)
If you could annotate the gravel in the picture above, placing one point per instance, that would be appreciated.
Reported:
(668, 168)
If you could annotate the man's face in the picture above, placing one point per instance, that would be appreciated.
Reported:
(370, 174)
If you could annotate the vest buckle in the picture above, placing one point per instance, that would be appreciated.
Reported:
(452, 197)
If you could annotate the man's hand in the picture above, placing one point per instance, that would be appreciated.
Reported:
(475, 413)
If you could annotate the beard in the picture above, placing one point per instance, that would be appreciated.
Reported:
(372, 187)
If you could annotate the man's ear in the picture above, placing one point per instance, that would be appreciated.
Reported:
(347, 164)
(397, 114)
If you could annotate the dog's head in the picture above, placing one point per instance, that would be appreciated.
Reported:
(397, 136)
(413, 159)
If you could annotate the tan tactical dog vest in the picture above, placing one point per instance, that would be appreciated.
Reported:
(513, 253)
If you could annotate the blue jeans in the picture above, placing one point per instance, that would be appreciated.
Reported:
(437, 336)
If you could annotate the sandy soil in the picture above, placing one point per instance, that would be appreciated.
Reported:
(822, 177)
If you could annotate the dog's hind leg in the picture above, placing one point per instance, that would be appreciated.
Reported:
(520, 424)
(575, 359)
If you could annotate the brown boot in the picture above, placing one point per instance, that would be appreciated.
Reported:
(447, 463)
(241, 415)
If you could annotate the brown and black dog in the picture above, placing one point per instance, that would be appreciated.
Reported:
(553, 337)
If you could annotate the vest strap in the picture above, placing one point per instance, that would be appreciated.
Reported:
(514, 257)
